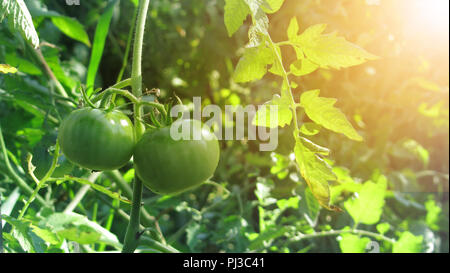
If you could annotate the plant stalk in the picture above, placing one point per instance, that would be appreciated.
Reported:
(132, 234)
(339, 232)
(40, 183)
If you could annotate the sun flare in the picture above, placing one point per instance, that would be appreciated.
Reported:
(432, 15)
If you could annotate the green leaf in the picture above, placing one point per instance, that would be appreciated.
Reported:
(22, 65)
(329, 50)
(351, 243)
(315, 172)
(51, 56)
(313, 206)
(288, 203)
(382, 228)
(81, 235)
(322, 111)
(278, 106)
(292, 29)
(16, 11)
(135, 2)
(47, 235)
(310, 35)
(21, 233)
(235, 13)
(101, 31)
(253, 64)
(433, 214)
(269, 234)
(276, 68)
(80, 229)
(303, 67)
(314, 147)
(72, 28)
(274, 6)
(310, 129)
(408, 243)
(431, 111)
(368, 206)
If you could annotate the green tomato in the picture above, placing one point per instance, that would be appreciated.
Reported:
(97, 139)
(169, 166)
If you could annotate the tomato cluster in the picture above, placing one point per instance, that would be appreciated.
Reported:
(104, 140)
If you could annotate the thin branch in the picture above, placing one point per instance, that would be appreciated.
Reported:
(81, 193)
(300, 237)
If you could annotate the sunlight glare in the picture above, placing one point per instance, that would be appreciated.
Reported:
(429, 15)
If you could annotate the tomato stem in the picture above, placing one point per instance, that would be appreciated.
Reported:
(131, 238)
(86, 98)
(122, 84)
(158, 106)
(40, 183)
(113, 90)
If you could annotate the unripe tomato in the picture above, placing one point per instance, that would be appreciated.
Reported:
(97, 139)
(169, 166)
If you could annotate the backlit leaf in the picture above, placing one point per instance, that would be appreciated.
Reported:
(277, 109)
(274, 5)
(292, 29)
(235, 13)
(408, 243)
(72, 28)
(322, 111)
(433, 214)
(253, 64)
(315, 172)
(382, 228)
(310, 128)
(329, 50)
(351, 243)
(303, 67)
(367, 207)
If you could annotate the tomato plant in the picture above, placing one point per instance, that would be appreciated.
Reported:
(168, 166)
(361, 96)
(97, 139)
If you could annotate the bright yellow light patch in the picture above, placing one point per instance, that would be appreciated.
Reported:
(429, 15)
